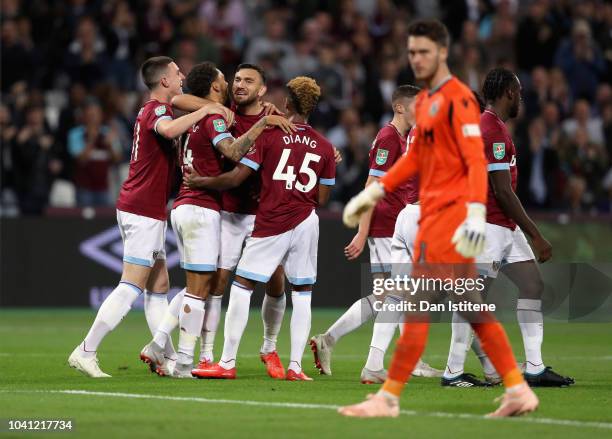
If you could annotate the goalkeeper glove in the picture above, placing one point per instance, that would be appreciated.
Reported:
(360, 203)
(469, 238)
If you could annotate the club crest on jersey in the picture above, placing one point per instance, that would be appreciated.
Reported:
(434, 108)
(160, 110)
(219, 125)
(499, 150)
(381, 156)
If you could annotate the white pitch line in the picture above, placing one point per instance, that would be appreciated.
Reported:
(298, 405)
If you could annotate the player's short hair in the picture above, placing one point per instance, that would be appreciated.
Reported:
(255, 67)
(432, 29)
(404, 91)
(304, 94)
(496, 83)
(152, 69)
(200, 78)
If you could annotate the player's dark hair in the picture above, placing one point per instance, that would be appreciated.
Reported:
(481, 102)
(432, 29)
(304, 94)
(255, 67)
(200, 78)
(405, 91)
(152, 69)
(497, 82)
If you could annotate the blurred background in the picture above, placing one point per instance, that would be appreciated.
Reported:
(69, 77)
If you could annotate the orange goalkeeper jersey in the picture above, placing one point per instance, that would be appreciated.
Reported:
(448, 153)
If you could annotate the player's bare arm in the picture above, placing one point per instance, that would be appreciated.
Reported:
(190, 103)
(324, 193)
(225, 181)
(501, 182)
(173, 128)
(235, 149)
(356, 246)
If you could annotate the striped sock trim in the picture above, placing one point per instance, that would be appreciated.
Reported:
(134, 286)
(241, 286)
(194, 297)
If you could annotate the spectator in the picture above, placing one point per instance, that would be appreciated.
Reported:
(339, 135)
(581, 61)
(121, 42)
(538, 32)
(34, 166)
(95, 149)
(273, 45)
(17, 57)
(86, 61)
(582, 119)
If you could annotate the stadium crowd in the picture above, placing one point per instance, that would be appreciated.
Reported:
(70, 90)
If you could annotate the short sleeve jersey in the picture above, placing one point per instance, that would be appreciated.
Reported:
(501, 156)
(291, 169)
(387, 148)
(242, 199)
(198, 151)
(152, 165)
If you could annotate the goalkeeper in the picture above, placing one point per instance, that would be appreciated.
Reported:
(448, 156)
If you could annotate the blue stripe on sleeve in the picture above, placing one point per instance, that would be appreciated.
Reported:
(220, 137)
(376, 173)
(250, 163)
(327, 181)
(498, 167)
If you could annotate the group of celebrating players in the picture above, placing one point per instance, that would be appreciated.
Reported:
(252, 178)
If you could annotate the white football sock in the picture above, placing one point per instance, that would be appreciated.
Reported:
(191, 316)
(155, 307)
(236, 320)
(359, 313)
(531, 321)
(272, 313)
(300, 327)
(384, 329)
(209, 328)
(460, 342)
(170, 320)
(113, 310)
(487, 366)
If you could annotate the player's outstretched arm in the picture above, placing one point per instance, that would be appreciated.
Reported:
(173, 128)
(189, 103)
(234, 149)
(227, 180)
(501, 183)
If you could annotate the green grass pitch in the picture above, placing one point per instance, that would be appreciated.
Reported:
(34, 346)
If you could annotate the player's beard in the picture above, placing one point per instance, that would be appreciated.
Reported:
(248, 101)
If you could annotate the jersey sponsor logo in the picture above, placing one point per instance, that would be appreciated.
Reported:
(219, 125)
(381, 156)
(499, 150)
(161, 110)
(470, 130)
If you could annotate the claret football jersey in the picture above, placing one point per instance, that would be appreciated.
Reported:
(291, 167)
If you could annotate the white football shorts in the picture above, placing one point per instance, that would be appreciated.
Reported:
(198, 232)
(143, 238)
(502, 246)
(295, 250)
(404, 236)
(235, 229)
(380, 254)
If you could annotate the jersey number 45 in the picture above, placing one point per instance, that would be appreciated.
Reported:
(289, 177)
